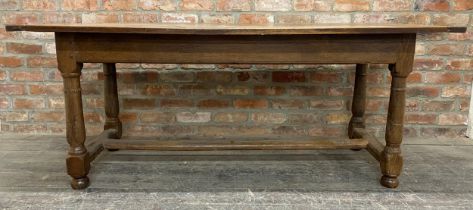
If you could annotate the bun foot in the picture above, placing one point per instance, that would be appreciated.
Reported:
(389, 182)
(79, 184)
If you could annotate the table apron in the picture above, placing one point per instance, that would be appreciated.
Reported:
(231, 49)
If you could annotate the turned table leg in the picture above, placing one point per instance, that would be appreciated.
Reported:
(359, 100)
(77, 161)
(391, 160)
(111, 101)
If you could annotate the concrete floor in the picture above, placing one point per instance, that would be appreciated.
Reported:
(437, 175)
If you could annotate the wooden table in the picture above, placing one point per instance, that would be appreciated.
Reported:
(211, 44)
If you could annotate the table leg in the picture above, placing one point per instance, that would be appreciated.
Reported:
(391, 160)
(112, 108)
(359, 100)
(77, 161)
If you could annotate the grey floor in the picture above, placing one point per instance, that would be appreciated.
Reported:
(437, 175)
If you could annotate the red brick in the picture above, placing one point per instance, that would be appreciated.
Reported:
(79, 5)
(48, 117)
(20, 18)
(21, 48)
(134, 77)
(447, 49)
(462, 5)
(56, 103)
(351, 5)
(61, 18)
(373, 105)
(140, 18)
(268, 118)
(272, 5)
(443, 132)
(419, 91)
(230, 117)
(176, 103)
(138, 103)
(306, 91)
(29, 128)
(451, 19)
(99, 18)
(250, 103)
(234, 5)
(269, 91)
(326, 132)
(442, 78)
(325, 77)
(327, 104)
(159, 90)
(40, 5)
(288, 104)
(12, 89)
(255, 77)
(119, 4)
(332, 18)
(464, 105)
(49, 89)
(221, 77)
(432, 5)
(10, 62)
(4, 103)
(304, 118)
(455, 91)
(460, 64)
(453, 119)
(202, 5)
(340, 91)
(217, 19)
(165, 5)
(337, 118)
(293, 19)
(213, 104)
(41, 61)
(428, 64)
(392, 5)
(288, 76)
(415, 77)
(312, 5)
(157, 117)
(256, 19)
(377, 91)
(193, 117)
(10, 116)
(232, 90)
(420, 118)
(436, 106)
(27, 76)
(461, 36)
(179, 18)
(9, 4)
(30, 103)
(412, 105)
(196, 90)
(3, 75)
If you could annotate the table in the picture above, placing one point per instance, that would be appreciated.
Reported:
(224, 44)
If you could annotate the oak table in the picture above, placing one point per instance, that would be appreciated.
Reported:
(219, 44)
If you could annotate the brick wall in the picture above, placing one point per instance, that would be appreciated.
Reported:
(238, 100)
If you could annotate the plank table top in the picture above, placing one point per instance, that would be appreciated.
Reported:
(210, 29)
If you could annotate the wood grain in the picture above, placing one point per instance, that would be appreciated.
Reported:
(207, 29)
(206, 145)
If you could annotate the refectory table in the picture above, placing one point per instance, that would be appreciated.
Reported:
(218, 44)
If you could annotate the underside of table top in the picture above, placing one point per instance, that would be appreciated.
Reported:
(206, 29)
